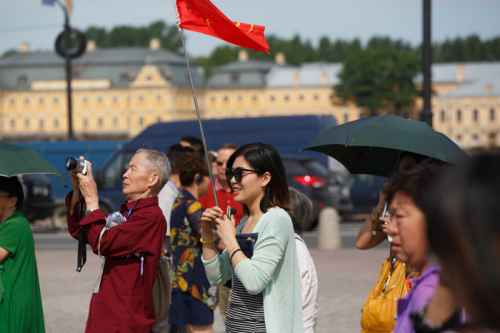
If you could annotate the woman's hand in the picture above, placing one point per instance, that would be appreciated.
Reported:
(208, 224)
(226, 231)
(88, 188)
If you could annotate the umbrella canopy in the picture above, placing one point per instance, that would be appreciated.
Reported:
(374, 145)
(15, 160)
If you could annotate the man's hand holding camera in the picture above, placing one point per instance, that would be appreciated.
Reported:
(83, 183)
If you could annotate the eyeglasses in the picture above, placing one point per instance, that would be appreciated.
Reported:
(219, 163)
(239, 173)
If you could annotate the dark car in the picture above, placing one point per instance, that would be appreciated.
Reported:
(364, 193)
(38, 199)
(323, 187)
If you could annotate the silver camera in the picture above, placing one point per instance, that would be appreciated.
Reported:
(76, 164)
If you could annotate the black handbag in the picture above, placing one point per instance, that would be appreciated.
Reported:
(247, 244)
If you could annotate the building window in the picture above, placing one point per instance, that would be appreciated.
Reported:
(85, 99)
(254, 98)
(124, 77)
(141, 98)
(459, 137)
(27, 123)
(26, 101)
(99, 99)
(475, 137)
(272, 98)
(148, 78)
(346, 117)
(301, 97)
(235, 77)
(475, 116)
(316, 97)
(240, 98)
(492, 114)
(158, 120)
(55, 100)
(56, 123)
(443, 116)
(213, 99)
(41, 101)
(459, 116)
(115, 122)
(158, 98)
(115, 99)
(141, 121)
(12, 101)
(13, 123)
(22, 82)
(100, 122)
(226, 99)
(41, 124)
(286, 98)
(85, 123)
(493, 138)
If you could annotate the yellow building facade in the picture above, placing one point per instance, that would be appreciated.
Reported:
(119, 92)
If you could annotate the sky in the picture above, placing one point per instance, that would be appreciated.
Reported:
(30, 21)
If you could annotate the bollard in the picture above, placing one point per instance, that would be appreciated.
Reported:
(329, 229)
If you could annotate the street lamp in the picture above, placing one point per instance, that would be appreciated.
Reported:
(426, 113)
(70, 44)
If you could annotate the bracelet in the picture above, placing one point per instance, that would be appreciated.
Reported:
(233, 253)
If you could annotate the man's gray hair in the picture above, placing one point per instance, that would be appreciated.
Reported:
(159, 161)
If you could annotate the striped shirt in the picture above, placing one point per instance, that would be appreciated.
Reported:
(245, 313)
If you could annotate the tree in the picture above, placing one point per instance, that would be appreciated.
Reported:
(130, 36)
(379, 80)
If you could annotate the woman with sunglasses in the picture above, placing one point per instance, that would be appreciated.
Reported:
(260, 255)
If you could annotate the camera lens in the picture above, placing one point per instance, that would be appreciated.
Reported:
(71, 163)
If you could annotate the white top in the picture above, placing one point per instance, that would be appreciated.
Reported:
(309, 285)
(166, 199)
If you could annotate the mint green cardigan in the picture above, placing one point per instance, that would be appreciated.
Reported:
(273, 270)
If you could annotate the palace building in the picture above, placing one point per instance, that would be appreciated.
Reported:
(118, 92)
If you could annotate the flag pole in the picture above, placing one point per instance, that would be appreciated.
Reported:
(198, 116)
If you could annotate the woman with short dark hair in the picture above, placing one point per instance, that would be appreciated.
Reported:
(260, 255)
(405, 193)
(20, 301)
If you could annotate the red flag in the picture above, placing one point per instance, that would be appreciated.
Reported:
(202, 16)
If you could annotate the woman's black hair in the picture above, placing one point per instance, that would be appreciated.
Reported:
(463, 210)
(12, 186)
(264, 158)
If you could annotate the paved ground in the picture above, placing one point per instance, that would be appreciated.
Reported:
(345, 277)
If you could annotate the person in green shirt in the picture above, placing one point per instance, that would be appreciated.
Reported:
(20, 301)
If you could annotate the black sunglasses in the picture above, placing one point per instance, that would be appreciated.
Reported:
(239, 173)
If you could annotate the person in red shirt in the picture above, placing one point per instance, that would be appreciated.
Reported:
(224, 195)
(122, 301)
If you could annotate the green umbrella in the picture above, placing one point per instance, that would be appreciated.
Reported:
(374, 145)
(15, 160)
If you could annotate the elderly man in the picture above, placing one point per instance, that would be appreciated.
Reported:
(129, 241)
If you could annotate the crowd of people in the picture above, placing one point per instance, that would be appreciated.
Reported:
(173, 253)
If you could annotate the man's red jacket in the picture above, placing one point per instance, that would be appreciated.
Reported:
(124, 303)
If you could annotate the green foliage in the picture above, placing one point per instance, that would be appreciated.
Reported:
(129, 36)
(296, 49)
(8, 53)
(379, 79)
